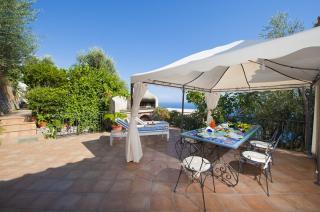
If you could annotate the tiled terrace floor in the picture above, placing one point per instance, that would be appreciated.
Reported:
(84, 173)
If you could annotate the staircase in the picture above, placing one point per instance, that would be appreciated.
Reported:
(17, 127)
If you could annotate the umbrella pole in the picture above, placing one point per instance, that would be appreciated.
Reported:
(182, 109)
(131, 97)
(308, 128)
(317, 150)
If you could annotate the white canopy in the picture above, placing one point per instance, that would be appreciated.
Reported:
(287, 62)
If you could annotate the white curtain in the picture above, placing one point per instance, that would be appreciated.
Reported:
(133, 144)
(212, 100)
(316, 121)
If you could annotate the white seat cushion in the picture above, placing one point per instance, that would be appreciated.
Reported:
(255, 156)
(260, 144)
(196, 163)
(190, 140)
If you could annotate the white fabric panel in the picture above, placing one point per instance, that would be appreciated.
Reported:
(316, 121)
(133, 144)
(212, 100)
(299, 50)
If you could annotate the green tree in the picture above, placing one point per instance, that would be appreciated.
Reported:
(96, 58)
(43, 73)
(17, 42)
(280, 26)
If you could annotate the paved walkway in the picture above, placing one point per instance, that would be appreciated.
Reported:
(85, 173)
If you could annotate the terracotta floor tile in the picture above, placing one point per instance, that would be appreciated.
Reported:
(162, 188)
(123, 186)
(82, 186)
(138, 202)
(61, 185)
(160, 202)
(102, 186)
(183, 202)
(113, 202)
(90, 201)
(22, 200)
(258, 202)
(66, 201)
(141, 186)
(45, 200)
(82, 173)
(233, 203)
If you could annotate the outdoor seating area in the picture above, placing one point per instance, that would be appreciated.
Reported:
(86, 173)
(210, 107)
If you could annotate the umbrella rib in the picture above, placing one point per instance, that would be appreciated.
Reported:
(245, 76)
(262, 88)
(194, 78)
(220, 78)
(175, 85)
(279, 72)
(280, 64)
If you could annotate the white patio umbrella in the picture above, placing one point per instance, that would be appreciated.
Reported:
(287, 62)
(283, 63)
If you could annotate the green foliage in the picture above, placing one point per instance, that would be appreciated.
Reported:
(197, 118)
(280, 25)
(43, 73)
(41, 118)
(94, 86)
(161, 114)
(80, 99)
(197, 98)
(111, 117)
(191, 121)
(287, 105)
(96, 58)
(16, 39)
(47, 100)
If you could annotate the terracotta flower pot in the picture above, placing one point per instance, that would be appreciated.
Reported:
(42, 124)
(116, 127)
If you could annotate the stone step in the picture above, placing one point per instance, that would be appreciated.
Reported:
(10, 120)
(18, 127)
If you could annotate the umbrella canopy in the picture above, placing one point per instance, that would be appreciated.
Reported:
(282, 63)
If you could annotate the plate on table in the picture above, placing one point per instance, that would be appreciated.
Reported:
(206, 135)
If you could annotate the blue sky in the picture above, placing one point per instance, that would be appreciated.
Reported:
(142, 35)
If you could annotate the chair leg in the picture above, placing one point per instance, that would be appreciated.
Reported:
(266, 174)
(202, 185)
(240, 165)
(269, 169)
(174, 190)
(111, 140)
(214, 186)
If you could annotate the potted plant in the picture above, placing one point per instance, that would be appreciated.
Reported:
(111, 119)
(41, 120)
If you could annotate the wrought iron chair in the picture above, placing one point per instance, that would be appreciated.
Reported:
(260, 160)
(269, 145)
(196, 167)
(259, 144)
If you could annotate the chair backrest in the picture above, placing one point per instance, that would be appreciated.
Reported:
(275, 134)
(267, 163)
(140, 121)
(276, 141)
(122, 123)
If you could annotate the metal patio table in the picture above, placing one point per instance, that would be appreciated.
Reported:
(223, 171)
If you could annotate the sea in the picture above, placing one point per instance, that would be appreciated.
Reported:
(177, 105)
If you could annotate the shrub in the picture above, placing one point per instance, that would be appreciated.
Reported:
(47, 100)
(161, 114)
(43, 73)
